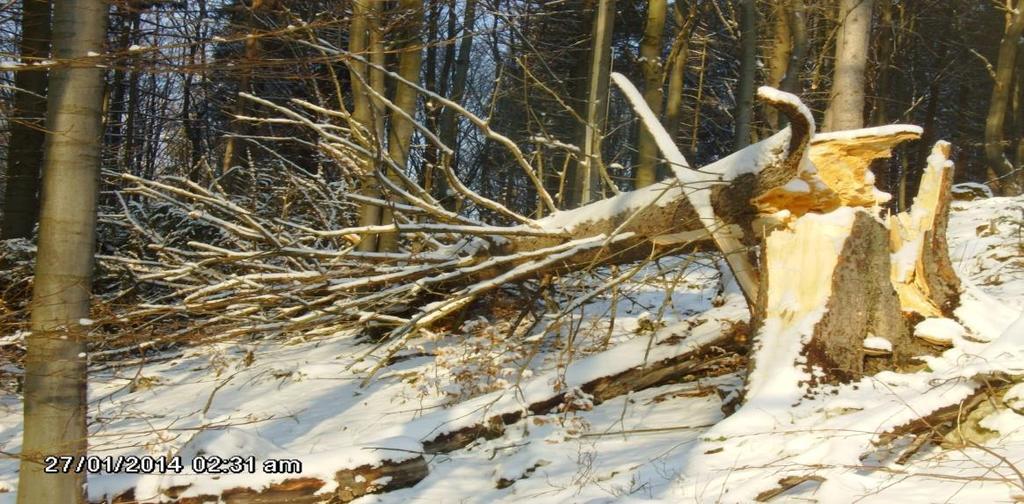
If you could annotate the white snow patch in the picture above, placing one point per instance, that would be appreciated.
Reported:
(878, 343)
(941, 330)
(797, 185)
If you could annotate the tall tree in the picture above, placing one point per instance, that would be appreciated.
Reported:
(400, 134)
(362, 41)
(586, 180)
(448, 128)
(846, 105)
(1009, 182)
(233, 155)
(21, 196)
(55, 364)
(788, 51)
(748, 70)
(654, 71)
(678, 58)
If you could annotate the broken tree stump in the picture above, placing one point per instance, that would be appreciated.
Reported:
(922, 271)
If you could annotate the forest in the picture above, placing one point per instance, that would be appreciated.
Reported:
(594, 251)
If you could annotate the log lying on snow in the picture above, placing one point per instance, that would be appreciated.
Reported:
(760, 179)
(706, 349)
(662, 218)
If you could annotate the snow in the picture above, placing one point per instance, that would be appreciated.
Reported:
(797, 186)
(775, 95)
(301, 399)
(939, 330)
(877, 343)
(887, 130)
(135, 47)
(973, 188)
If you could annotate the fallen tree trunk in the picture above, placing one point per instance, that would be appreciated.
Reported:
(709, 349)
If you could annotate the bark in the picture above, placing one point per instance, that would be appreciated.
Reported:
(21, 195)
(863, 303)
(55, 365)
(883, 86)
(796, 17)
(778, 57)
(1008, 182)
(748, 70)
(586, 179)
(231, 163)
(449, 131)
(363, 25)
(653, 71)
(846, 105)
(405, 99)
(678, 59)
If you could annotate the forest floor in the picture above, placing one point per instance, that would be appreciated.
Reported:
(303, 399)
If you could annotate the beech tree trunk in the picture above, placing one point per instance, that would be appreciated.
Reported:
(405, 99)
(55, 365)
(24, 155)
(846, 105)
(449, 131)
(748, 70)
(678, 58)
(778, 55)
(1006, 180)
(858, 278)
(586, 181)
(653, 71)
(231, 163)
(363, 40)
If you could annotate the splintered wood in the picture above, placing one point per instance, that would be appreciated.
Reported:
(842, 174)
(921, 269)
(833, 274)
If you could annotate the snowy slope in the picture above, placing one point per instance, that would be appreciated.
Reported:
(302, 399)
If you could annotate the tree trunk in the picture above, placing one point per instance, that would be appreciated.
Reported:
(363, 24)
(234, 176)
(449, 130)
(21, 195)
(846, 105)
(778, 57)
(405, 99)
(1006, 180)
(653, 70)
(55, 365)
(748, 70)
(585, 182)
(677, 67)
(797, 18)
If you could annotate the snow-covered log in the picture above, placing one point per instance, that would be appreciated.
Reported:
(703, 346)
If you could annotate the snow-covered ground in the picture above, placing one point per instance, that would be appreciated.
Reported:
(303, 399)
